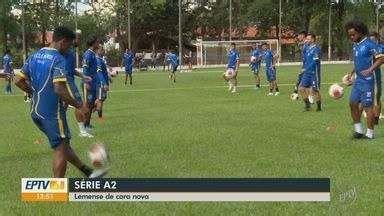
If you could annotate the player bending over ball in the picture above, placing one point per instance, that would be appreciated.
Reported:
(103, 84)
(374, 36)
(45, 78)
(270, 69)
(310, 81)
(255, 64)
(128, 61)
(230, 76)
(367, 57)
(173, 64)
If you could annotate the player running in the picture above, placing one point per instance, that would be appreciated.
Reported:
(8, 69)
(90, 70)
(367, 57)
(374, 36)
(128, 61)
(270, 69)
(255, 64)
(173, 61)
(301, 41)
(310, 75)
(103, 84)
(230, 76)
(44, 77)
(70, 67)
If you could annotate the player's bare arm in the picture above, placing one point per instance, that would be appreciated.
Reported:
(62, 91)
(23, 84)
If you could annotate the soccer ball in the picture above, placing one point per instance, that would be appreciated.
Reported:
(253, 59)
(347, 81)
(294, 96)
(336, 91)
(98, 155)
(230, 73)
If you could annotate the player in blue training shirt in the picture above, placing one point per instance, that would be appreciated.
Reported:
(310, 82)
(70, 67)
(374, 36)
(255, 64)
(44, 77)
(367, 57)
(173, 62)
(128, 61)
(103, 85)
(230, 76)
(8, 69)
(301, 40)
(270, 69)
(90, 70)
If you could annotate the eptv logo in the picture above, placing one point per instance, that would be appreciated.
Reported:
(48, 185)
(53, 185)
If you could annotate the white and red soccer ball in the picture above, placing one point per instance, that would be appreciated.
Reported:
(253, 59)
(230, 73)
(336, 91)
(98, 155)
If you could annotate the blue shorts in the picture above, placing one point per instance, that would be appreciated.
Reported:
(101, 94)
(90, 95)
(73, 90)
(310, 81)
(271, 74)
(255, 68)
(128, 70)
(363, 93)
(299, 77)
(174, 68)
(55, 129)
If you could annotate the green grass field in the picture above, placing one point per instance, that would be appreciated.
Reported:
(195, 128)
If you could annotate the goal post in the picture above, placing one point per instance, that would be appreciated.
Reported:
(214, 53)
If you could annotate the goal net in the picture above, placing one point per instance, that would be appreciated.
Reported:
(214, 53)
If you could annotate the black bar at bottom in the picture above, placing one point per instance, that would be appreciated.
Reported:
(200, 185)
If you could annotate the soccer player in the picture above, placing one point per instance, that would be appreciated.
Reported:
(301, 40)
(367, 57)
(233, 64)
(90, 70)
(128, 61)
(70, 67)
(103, 84)
(310, 82)
(8, 69)
(173, 64)
(374, 36)
(270, 69)
(44, 77)
(255, 64)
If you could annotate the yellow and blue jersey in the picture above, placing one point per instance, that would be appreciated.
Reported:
(363, 54)
(42, 70)
(102, 73)
(268, 58)
(70, 66)
(7, 63)
(128, 60)
(90, 67)
(311, 59)
(233, 57)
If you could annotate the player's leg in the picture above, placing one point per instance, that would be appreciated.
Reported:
(316, 91)
(378, 91)
(130, 78)
(234, 84)
(126, 78)
(355, 108)
(303, 91)
(367, 101)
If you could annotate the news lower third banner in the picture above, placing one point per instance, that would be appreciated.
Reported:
(175, 189)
